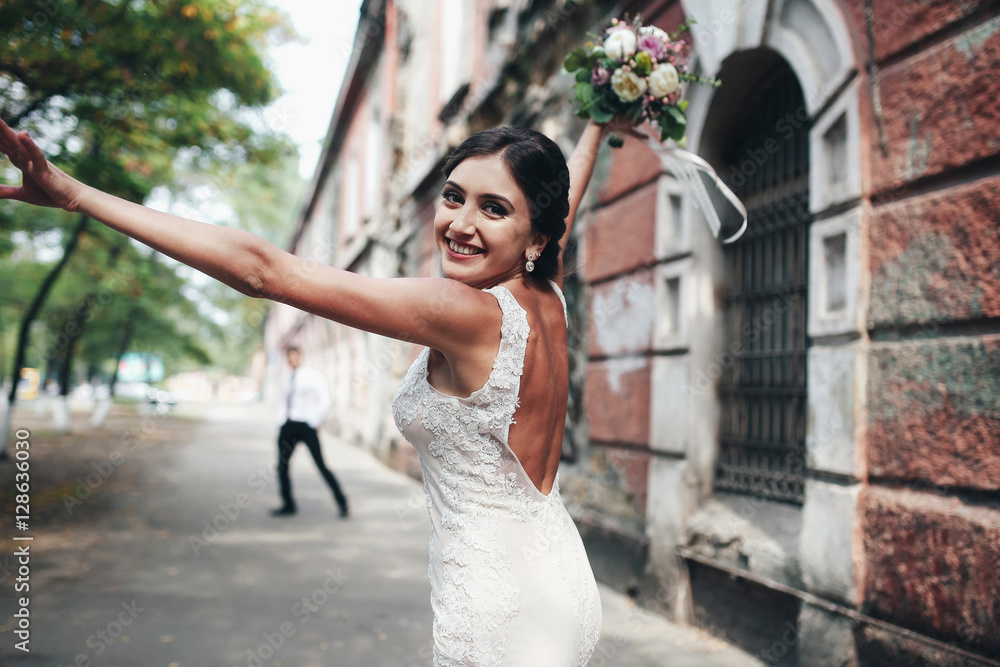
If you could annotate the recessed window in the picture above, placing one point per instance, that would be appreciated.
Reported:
(835, 263)
(672, 321)
(835, 145)
(674, 202)
(671, 236)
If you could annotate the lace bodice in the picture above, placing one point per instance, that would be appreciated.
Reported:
(494, 535)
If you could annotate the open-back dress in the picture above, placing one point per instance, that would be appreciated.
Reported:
(511, 584)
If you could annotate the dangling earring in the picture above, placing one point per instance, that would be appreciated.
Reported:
(529, 266)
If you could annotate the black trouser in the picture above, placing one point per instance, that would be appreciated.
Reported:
(290, 435)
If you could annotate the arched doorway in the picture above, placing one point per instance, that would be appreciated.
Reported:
(760, 146)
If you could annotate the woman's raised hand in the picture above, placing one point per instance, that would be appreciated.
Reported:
(42, 183)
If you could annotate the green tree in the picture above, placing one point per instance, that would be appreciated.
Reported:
(116, 91)
(261, 199)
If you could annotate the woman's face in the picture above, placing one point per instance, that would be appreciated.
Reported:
(482, 225)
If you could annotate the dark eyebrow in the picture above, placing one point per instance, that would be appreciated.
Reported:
(484, 196)
(499, 199)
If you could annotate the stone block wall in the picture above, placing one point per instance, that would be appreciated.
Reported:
(930, 513)
(933, 564)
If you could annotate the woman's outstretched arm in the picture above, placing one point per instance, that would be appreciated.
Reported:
(420, 310)
(581, 167)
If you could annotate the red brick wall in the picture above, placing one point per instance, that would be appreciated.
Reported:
(941, 108)
(899, 25)
(936, 258)
(934, 415)
(934, 242)
(621, 235)
(931, 534)
(934, 565)
(617, 401)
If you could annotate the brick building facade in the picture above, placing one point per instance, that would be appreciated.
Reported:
(793, 440)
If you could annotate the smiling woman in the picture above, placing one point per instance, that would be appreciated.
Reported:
(484, 235)
(521, 181)
(510, 580)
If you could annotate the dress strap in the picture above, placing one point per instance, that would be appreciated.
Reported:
(514, 331)
(561, 298)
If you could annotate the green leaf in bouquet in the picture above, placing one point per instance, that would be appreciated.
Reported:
(583, 76)
(615, 104)
(635, 112)
(678, 125)
(600, 114)
(666, 126)
(585, 93)
(677, 115)
(669, 129)
(609, 63)
(683, 105)
(575, 59)
(681, 29)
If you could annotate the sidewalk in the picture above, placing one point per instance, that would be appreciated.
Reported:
(173, 560)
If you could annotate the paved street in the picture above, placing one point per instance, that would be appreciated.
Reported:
(172, 560)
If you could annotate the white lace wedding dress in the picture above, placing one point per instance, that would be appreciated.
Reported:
(510, 581)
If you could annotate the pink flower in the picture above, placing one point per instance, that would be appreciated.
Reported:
(654, 46)
(600, 76)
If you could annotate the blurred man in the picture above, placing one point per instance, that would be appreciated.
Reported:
(306, 400)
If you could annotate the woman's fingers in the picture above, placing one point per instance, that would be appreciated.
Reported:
(22, 151)
(10, 192)
(14, 151)
(8, 141)
(35, 155)
(40, 182)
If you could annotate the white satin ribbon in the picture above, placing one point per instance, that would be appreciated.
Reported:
(686, 167)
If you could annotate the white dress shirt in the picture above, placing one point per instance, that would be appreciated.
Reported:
(309, 400)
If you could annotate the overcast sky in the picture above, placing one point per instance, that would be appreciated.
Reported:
(310, 73)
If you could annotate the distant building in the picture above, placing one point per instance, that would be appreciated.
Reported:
(794, 440)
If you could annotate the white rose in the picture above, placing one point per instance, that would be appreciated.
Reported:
(653, 30)
(663, 80)
(620, 44)
(627, 85)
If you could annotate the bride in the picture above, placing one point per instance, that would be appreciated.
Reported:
(484, 403)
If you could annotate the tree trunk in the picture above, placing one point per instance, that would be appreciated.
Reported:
(61, 415)
(66, 367)
(29, 318)
(126, 341)
(83, 315)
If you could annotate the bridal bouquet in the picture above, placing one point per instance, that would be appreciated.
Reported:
(634, 71)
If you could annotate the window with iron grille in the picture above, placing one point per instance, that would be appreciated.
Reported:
(763, 382)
